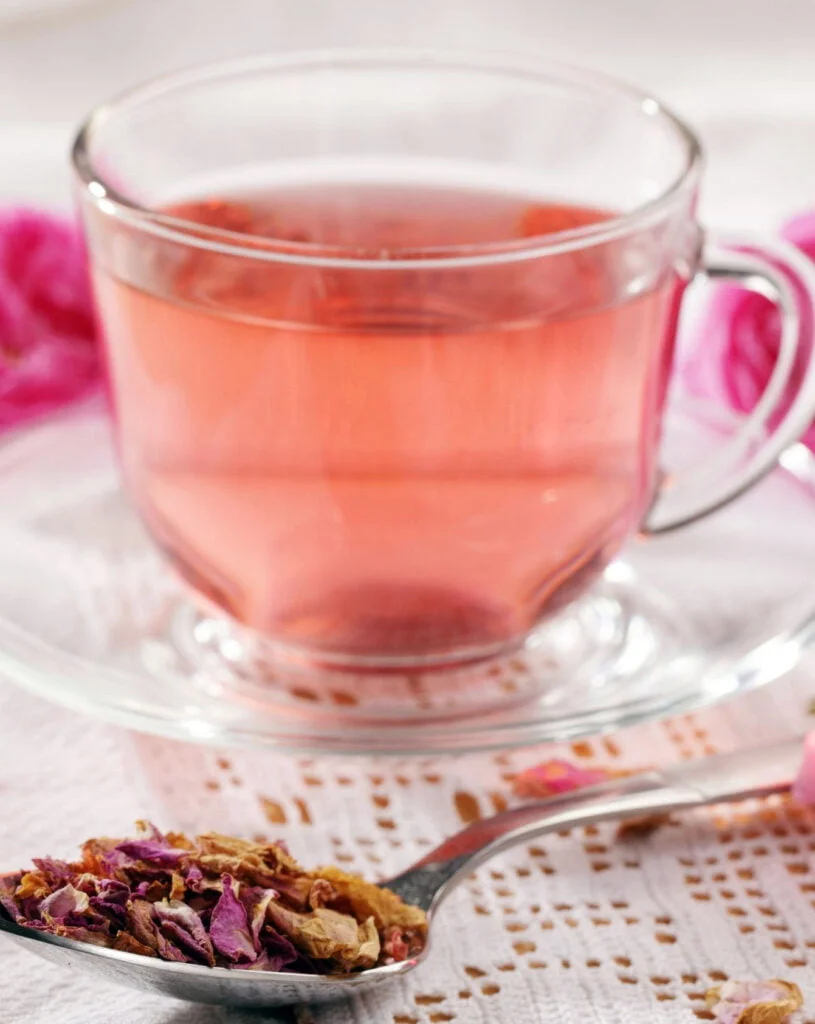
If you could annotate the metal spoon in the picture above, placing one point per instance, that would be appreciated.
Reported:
(749, 773)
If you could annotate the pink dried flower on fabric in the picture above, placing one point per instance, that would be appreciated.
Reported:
(556, 777)
(48, 338)
(754, 1002)
(739, 340)
(550, 778)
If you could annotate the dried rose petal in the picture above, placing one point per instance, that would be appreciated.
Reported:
(754, 1002)
(160, 895)
(111, 891)
(395, 945)
(195, 879)
(550, 778)
(181, 934)
(112, 900)
(8, 899)
(368, 900)
(82, 934)
(88, 919)
(33, 883)
(229, 926)
(178, 886)
(142, 925)
(153, 890)
(321, 893)
(327, 934)
(149, 832)
(151, 852)
(256, 901)
(54, 870)
(279, 954)
(63, 902)
(126, 943)
(803, 789)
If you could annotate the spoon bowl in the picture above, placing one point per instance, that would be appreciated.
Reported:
(749, 773)
(197, 983)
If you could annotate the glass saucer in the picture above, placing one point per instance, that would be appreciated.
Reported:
(90, 618)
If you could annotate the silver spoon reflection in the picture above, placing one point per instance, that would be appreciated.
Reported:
(744, 774)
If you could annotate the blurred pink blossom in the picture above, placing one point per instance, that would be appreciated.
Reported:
(48, 339)
(803, 789)
(739, 339)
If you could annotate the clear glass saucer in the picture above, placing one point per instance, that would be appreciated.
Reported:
(90, 618)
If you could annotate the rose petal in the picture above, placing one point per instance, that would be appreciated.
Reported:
(256, 901)
(8, 900)
(125, 942)
(800, 230)
(33, 883)
(80, 933)
(182, 935)
(229, 926)
(63, 902)
(142, 924)
(112, 900)
(395, 945)
(550, 778)
(55, 870)
(328, 934)
(152, 853)
(158, 895)
(739, 341)
(279, 954)
(754, 1002)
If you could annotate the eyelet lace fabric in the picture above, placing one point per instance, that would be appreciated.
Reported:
(581, 927)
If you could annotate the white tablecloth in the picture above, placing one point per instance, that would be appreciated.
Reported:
(580, 928)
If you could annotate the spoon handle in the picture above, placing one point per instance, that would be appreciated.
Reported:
(746, 773)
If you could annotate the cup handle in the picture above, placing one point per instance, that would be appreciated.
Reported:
(784, 275)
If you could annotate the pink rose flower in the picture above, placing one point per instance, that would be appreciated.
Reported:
(739, 339)
(48, 339)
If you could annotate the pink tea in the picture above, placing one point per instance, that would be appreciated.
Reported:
(361, 453)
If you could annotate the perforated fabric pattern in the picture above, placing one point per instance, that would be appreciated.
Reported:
(579, 927)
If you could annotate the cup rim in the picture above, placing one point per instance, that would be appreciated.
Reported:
(232, 243)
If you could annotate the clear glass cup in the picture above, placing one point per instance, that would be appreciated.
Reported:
(389, 338)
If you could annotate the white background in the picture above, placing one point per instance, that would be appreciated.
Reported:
(743, 71)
